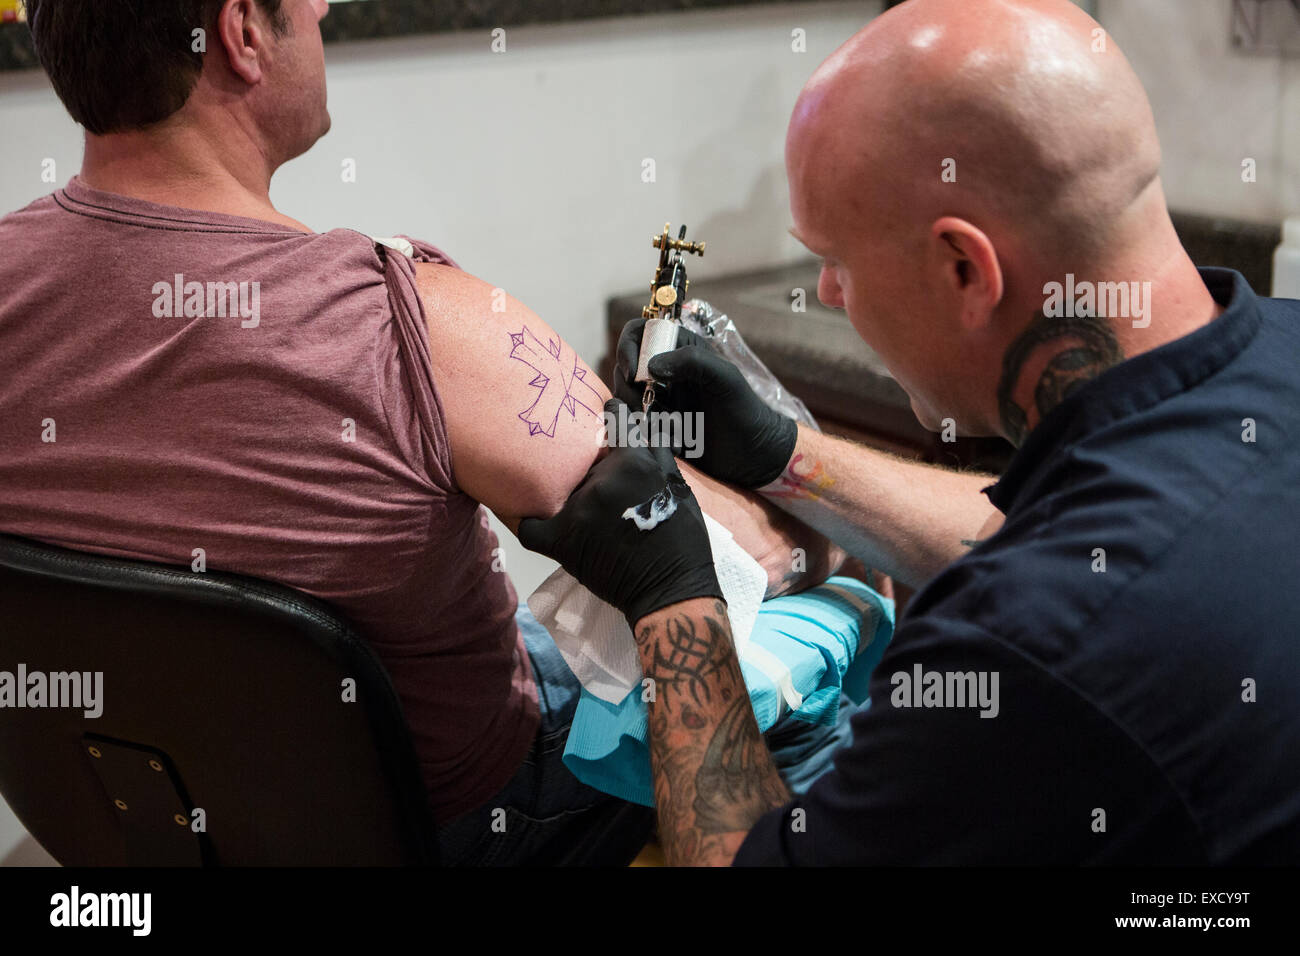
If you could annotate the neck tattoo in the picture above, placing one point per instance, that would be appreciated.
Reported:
(1083, 347)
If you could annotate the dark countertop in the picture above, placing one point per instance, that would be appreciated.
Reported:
(388, 18)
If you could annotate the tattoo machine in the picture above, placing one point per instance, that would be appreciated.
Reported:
(664, 313)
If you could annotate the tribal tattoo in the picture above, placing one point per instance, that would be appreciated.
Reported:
(1083, 347)
(562, 382)
(685, 661)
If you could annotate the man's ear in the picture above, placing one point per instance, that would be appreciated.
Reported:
(242, 35)
(968, 265)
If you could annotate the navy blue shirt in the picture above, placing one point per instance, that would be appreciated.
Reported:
(1140, 609)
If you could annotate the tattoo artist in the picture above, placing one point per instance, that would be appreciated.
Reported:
(957, 165)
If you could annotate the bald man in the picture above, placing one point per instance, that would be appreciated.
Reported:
(1101, 666)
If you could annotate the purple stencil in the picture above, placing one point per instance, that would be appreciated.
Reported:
(561, 382)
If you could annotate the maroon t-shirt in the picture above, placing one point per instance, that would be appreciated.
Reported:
(175, 380)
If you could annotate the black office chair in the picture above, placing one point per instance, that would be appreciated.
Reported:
(223, 705)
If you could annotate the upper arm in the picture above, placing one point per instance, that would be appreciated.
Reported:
(523, 415)
(523, 412)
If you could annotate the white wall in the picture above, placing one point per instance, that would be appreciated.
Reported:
(11, 831)
(1214, 107)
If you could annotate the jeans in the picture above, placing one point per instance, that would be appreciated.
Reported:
(545, 817)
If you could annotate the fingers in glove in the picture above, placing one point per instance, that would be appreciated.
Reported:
(696, 365)
(540, 535)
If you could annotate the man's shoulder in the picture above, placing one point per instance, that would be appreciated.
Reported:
(1285, 308)
(418, 250)
(19, 220)
(1144, 499)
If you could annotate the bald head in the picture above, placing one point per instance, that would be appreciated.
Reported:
(954, 157)
(1030, 107)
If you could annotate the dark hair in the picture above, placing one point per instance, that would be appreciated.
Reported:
(125, 64)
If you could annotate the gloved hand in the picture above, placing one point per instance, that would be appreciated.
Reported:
(636, 571)
(744, 442)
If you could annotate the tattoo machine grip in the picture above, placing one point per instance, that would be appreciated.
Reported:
(660, 336)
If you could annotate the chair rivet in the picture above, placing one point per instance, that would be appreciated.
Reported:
(155, 765)
(120, 804)
(180, 819)
(94, 751)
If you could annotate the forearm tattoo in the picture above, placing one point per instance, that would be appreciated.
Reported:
(737, 782)
(802, 480)
(685, 661)
(1083, 347)
(713, 774)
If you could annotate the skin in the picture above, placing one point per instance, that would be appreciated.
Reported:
(260, 102)
(1057, 172)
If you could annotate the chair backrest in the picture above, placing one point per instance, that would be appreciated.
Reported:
(241, 723)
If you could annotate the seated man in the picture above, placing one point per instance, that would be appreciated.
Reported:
(194, 378)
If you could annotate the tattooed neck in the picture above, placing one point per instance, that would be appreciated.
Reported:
(1077, 350)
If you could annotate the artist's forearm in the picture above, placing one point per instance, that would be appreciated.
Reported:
(713, 775)
(906, 519)
(795, 556)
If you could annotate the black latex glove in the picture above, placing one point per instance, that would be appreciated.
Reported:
(745, 442)
(636, 571)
